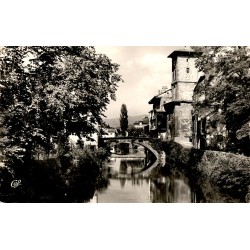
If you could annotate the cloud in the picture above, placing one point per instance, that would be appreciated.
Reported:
(144, 71)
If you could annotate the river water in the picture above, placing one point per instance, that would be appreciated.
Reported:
(164, 190)
(128, 183)
(124, 187)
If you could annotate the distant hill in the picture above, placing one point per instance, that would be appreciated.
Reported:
(115, 122)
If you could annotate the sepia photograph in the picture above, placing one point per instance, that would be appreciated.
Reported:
(141, 107)
(125, 124)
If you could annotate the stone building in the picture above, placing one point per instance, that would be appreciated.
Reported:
(109, 132)
(157, 116)
(141, 124)
(199, 117)
(178, 110)
(91, 142)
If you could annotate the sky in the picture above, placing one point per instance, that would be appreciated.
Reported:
(144, 69)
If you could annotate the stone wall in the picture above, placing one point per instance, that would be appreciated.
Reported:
(185, 91)
(181, 69)
(182, 90)
(183, 121)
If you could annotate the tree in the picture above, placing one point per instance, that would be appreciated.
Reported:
(228, 84)
(50, 92)
(124, 119)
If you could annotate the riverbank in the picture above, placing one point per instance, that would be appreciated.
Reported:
(217, 176)
(70, 178)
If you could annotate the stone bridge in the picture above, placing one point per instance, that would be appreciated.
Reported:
(143, 141)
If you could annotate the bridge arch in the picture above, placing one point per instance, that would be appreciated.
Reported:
(143, 141)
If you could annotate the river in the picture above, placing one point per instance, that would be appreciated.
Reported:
(136, 190)
(126, 187)
(129, 183)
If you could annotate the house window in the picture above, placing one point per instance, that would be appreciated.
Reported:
(187, 59)
(187, 70)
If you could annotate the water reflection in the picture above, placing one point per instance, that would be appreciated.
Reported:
(123, 190)
(120, 166)
(171, 190)
(124, 187)
(168, 184)
(127, 183)
(122, 182)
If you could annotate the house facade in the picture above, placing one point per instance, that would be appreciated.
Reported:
(109, 133)
(141, 124)
(91, 142)
(141, 127)
(157, 116)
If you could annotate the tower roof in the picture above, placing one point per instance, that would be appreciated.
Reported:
(185, 51)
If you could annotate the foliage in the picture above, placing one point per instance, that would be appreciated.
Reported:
(6, 192)
(47, 93)
(227, 85)
(70, 178)
(227, 172)
(124, 119)
(41, 181)
(216, 176)
(157, 144)
(87, 174)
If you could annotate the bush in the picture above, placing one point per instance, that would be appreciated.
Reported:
(69, 178)
(214, 174)
(228, 172)
(87, 174)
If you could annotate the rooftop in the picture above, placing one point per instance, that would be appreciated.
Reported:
(143, 121)
(110, 130)
(160, 95)
(154, 99)
(170, 105)
(185, 51)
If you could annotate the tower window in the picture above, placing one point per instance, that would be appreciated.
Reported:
(187, 70)
(174, 75)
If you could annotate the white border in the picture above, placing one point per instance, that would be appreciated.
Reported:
(126, 226)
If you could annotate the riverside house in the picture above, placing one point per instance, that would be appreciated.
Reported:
(157, 116)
